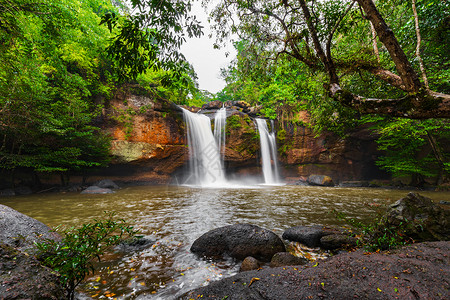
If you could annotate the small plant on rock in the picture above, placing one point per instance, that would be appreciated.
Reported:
(73, 256)
(378, 234)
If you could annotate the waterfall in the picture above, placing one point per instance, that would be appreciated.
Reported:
(205, 164)
(268, 152)
(220, 121)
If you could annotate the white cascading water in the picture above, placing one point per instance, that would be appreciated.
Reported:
(205, 164)
(220, 121)
(268, 152)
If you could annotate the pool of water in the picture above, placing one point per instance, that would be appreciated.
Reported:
(175, 216)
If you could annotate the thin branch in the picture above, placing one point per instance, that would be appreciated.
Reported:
(419, 41)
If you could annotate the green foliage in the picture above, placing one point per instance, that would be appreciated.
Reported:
(150, 37)
(181, 89)
(376, 235)
(73, 256)
(415, 147)
(52, 68)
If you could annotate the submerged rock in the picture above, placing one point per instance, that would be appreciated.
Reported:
(23, 277)
(239, 241)
(354, 183)
(97, 190)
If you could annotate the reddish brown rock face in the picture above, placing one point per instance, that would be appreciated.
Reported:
(350, 158)
(148, 141)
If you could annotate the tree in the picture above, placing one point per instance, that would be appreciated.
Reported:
(313, 31)
(52, 69)
(415, 147)
(149, 37)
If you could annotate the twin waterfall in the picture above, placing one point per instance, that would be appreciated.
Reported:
(207, 150)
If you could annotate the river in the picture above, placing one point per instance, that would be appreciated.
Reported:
(174, 216)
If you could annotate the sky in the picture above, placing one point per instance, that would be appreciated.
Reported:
(206, 60)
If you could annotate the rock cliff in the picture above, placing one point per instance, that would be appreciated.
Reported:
(148, 137)
(149, 143)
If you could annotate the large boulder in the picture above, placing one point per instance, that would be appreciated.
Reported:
(23, 277)
(21, 231)
(308, 235)
(320, 180)
(239, 241)
(422, 219)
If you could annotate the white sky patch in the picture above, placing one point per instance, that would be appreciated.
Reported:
(206, 60)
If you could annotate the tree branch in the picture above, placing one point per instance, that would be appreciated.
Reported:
(386, 36)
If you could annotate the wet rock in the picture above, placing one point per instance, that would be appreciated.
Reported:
(301, 182)
(308, 235)
(239, 241)
(23, 190)
(320, 180)
(134, 244)
(106, 184)
(337, 241)
(426, 221)
(249, 263)
(286, 259)
(419, 271)
(213, 105)
(21, 231)
(97, 190)
(23, 277)
(354, 183)
(7, 193)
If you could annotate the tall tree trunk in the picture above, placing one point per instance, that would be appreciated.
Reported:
(419, 42)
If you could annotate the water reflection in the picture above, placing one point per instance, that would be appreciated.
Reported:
(175, 216)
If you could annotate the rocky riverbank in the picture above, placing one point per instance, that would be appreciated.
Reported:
(418, 271)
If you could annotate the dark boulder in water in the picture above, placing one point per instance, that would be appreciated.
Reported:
(239, 241)
(308, 235)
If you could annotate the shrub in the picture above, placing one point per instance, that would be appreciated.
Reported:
(73, 256)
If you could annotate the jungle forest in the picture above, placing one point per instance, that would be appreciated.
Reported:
(347, 63)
